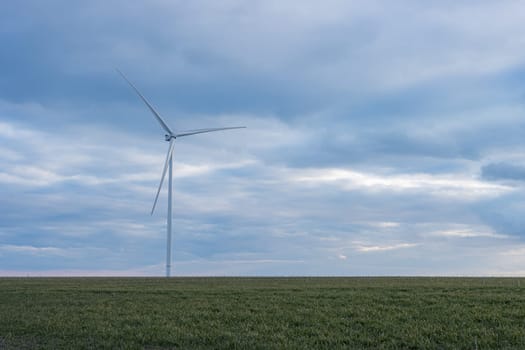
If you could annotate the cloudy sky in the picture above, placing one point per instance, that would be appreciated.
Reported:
(384, 138)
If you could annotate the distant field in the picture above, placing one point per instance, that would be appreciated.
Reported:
(262, 313)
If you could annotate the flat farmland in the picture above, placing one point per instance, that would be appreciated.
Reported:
(262, 313)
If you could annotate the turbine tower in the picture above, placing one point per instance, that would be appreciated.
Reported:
(168, 164)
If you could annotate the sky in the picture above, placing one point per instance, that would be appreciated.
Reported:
(383, 138)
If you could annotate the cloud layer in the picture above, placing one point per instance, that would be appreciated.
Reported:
(382, 138)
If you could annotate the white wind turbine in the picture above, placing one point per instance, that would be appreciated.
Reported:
(170, 136)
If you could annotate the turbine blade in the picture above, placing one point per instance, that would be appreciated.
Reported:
(200, 131)
(155, 113)
(168, 156)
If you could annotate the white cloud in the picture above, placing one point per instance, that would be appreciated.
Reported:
(386, 224)
(28, 249)
(54, 158)
(382, 248)
(467, 233)
(453, 185)
(515, 251)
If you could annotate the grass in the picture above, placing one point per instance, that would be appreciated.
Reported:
(262, 313)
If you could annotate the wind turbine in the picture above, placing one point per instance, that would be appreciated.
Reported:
(168, 164)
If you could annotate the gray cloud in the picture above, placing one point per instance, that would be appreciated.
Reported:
(504, 214)
(503, 171)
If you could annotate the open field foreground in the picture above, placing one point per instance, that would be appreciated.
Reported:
(262, 313)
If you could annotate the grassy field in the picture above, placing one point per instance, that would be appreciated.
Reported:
(262, 313)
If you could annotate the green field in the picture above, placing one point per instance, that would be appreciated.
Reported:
(262, 313)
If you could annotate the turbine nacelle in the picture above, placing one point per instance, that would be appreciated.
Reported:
(169, 137)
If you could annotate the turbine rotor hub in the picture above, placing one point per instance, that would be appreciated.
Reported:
(169, 137)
